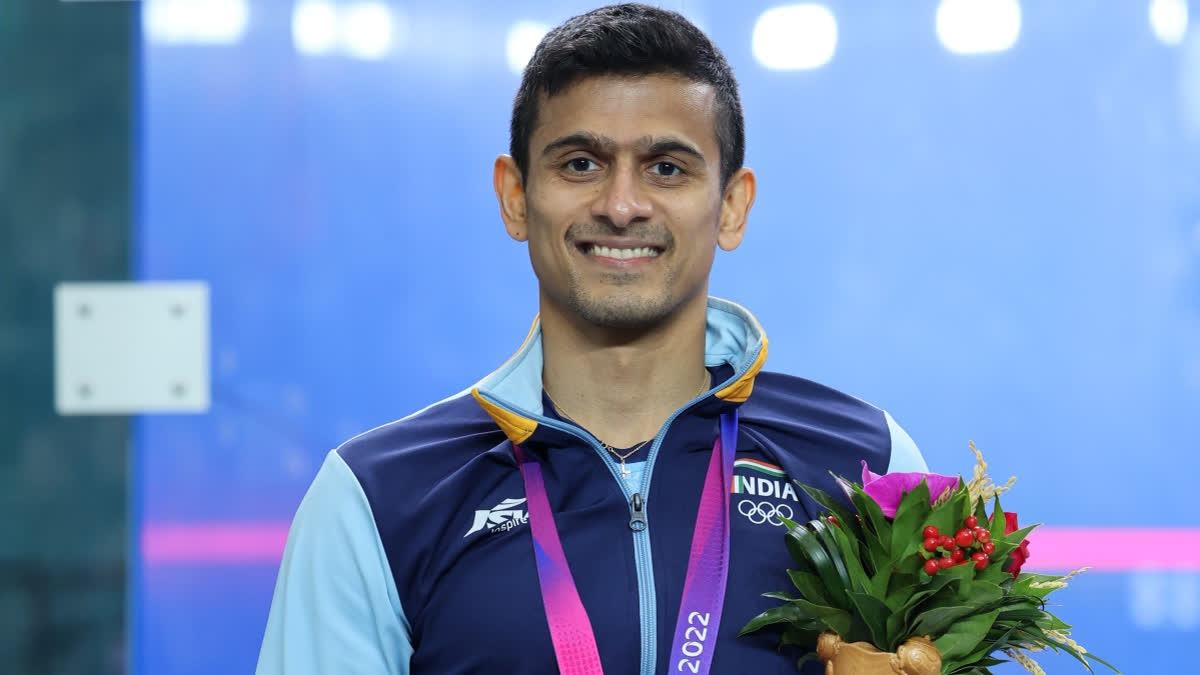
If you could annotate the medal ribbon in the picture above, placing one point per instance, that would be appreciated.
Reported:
(703, 587)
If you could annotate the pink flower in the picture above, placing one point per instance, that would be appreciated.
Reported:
(888, 490)
(1020, 555)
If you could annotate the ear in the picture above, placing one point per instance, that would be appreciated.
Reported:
(735, 208)
(510, 192)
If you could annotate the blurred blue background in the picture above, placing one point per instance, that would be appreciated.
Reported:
(1000, 246)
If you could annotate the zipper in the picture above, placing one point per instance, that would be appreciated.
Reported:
(643, 561)
(647, 474)
(637, 513)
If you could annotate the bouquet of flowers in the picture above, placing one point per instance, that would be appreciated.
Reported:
(917, 578)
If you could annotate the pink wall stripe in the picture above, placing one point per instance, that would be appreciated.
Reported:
(213, 543)
(1051, 549)
(1114, 549)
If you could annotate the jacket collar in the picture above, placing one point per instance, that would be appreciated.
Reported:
(512, 394)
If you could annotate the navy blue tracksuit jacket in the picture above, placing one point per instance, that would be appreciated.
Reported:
(411, 551)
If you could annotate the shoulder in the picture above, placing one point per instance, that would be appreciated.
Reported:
(803, 413)
(787, 398)
(422, 447)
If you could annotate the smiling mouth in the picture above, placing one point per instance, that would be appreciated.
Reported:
(620, 253)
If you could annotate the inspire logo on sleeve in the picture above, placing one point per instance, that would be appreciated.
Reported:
(500, 518)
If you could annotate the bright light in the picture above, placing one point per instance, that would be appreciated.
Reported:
(795, 37)
(1169, 19)
(314, 27)
(978, 26)
(523, 39)
(199, 22)
(367, 30)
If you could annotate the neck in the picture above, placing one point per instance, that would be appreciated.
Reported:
(622, 386)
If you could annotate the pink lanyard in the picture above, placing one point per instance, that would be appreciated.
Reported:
(703, 587)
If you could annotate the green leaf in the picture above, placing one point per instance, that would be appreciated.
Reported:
(980, 511)
(877, 531)
(895, 629)
(879, 585)
(934, 622)
(837, 508)
(810, 587)
(902, 591)
(910, 519)
(964, 636)
(783, 614)
(875, 615)
(810, 656)
(832, 618)
(859, 580)
(1102, 662)
(1023, 585)
(1024, 612)
(942, 591)
(997, 639)
(996, 523)
(779, 595)
(873, 519)
(805, 637)
(799, 554)
(972, 666)
(818, 559)
(979, 593)
(824, 532)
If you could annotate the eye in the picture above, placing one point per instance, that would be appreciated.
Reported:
(581, 164)
(666, 169)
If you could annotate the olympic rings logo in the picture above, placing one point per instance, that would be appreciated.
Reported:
(765, 512)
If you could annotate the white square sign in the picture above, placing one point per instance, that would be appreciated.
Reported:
(125, 348)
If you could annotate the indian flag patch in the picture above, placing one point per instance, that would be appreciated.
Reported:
(767, 480)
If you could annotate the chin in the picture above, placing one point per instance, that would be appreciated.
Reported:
(628, 312)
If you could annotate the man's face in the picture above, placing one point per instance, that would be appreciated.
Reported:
(623, 198)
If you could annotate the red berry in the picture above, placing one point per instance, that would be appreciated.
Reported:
(834, 520)
(958, 555)
(988, 547)
(981, 564)
(930, 531)
(982, 535)
(931, 543)
(971, 522)
(932, 566)
(946, 563)
(946, 542)
(964, 537)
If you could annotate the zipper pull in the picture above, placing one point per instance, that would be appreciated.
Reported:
(637, 513)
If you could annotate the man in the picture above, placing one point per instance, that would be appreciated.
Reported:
(546, 520)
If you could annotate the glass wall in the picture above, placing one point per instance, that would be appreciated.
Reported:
(65, 206)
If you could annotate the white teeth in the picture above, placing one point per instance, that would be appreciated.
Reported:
(624, 253)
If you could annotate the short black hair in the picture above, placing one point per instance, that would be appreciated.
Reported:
(629, 39)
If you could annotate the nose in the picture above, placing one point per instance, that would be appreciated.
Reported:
(621, 200)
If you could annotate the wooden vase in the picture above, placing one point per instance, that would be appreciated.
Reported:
(917, 656)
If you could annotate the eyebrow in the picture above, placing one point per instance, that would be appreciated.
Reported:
(580, 139)
(590, 141)
(673, 145)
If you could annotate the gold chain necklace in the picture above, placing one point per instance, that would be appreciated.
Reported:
(625, 472)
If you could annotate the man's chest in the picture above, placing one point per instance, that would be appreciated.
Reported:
(483, 607)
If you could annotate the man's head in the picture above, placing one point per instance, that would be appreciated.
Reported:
(628, 40)
(625, 174)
